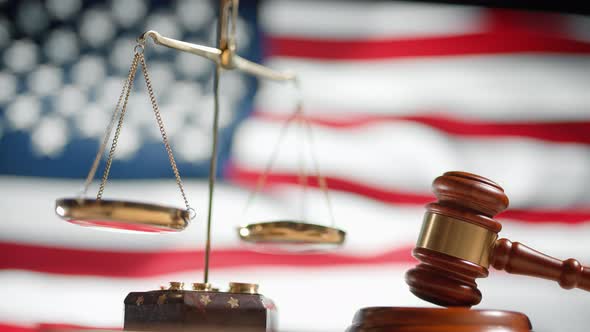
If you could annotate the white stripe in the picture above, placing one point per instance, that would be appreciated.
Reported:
(322, 19)
(502, 88)
(29, 217)
(408, 156)
(372, 227)
(40, 226)
(327, 297)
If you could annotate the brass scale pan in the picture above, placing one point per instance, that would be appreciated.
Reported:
(153, 218)
(292, 233)
(122, 215)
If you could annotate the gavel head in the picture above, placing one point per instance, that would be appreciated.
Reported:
(456, 240)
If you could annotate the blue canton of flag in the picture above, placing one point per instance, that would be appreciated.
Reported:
(64, 64)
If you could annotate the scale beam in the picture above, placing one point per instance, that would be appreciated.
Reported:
(211, 53)
(227, 58)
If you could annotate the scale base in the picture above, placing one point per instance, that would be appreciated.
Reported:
(184, 310)
(400, 319)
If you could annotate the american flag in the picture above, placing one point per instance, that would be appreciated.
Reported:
(397, 93)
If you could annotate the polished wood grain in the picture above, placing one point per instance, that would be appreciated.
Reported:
(444, 280)
(447, 280)
(390, 319)
(469, 197)
(516, 258)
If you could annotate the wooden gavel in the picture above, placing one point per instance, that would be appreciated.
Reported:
(458, 242)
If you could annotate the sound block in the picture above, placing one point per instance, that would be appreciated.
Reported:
(399, 319)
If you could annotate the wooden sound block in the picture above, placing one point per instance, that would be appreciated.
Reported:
(399, 319)
(183, 310)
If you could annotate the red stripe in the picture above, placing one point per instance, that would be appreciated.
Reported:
(70, 261)
(501, 42)
(502, 31)
(249, 178)
(562, 131)
(391, 196)
(44, 327)
(15, 328)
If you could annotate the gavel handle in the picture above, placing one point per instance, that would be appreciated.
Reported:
(517, 258)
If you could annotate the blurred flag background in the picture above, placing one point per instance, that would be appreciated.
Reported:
(397, 92)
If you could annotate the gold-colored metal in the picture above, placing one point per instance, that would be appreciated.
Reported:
(162, 299)
(156, 109)
(123, 215)
(140, 58)
(457, 238)
(243, 288)
(224, 37)
(126, 91)
(291, 232)
(118, 214)
(233, 302)
(212, 171)
(123, 98)
(202, 286)
(176, 285)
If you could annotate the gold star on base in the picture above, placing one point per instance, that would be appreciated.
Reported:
(139, 301)
(205, 299)
(162, 299)
(234, 303)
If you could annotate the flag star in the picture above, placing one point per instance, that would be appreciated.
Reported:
(234, 303)
(50, 136)
(205, 299)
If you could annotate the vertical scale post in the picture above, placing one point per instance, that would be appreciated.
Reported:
(222, 45)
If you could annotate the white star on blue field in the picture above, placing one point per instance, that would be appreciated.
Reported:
(63, 64)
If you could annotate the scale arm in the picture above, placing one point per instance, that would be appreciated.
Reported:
(207, 52)
(260, 71)
(226, 59)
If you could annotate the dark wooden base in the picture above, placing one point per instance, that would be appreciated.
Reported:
(399, 319)
(182, 310)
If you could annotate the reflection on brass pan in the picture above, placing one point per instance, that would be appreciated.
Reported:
(291, 233)
(122, 215)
